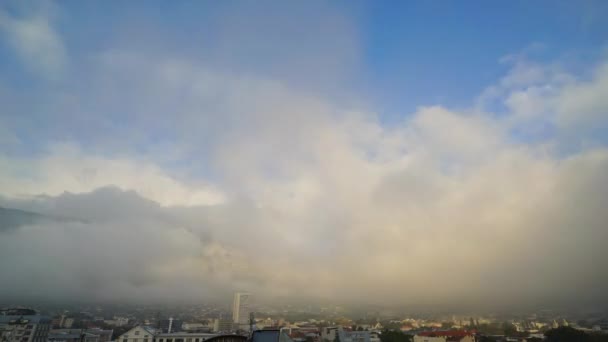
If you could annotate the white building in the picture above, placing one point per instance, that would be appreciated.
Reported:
(191, 326)
(24, 328)
(148, 334)
(328, 334)
(241, 307)
(67, 323)
(138, 334)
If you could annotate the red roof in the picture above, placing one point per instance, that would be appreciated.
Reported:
(456, 333)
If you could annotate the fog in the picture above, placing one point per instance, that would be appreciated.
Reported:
(170, 172)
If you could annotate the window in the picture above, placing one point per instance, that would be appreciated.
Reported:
(196, 340)
(189, 339)
(125, 340)
(136, 332)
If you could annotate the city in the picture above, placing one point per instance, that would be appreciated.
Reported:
(236, 323)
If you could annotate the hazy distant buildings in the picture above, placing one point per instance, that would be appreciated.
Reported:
(197, 327)
(444, 336)
(23, 325)
(68, 323)
(117, 321)
(241, 307)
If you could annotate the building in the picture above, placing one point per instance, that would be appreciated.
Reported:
(270, 336)
(138, 334)
(105, 335)
(23, 325)
(183, 337)
(222, 325)
(72, 336)
(170, 325)
(67, 323)
(92, 335)
(328, 334)
(148, 334)
(117, 321)
(195, 327)
(241, 310)
(444, 336)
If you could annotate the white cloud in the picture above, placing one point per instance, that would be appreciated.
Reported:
(285, 192)
(584, 103)
(545, 100)
(35, 40)
(66, 168)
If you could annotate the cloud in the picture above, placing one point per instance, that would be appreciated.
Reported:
(584, 103)
(187, 180)
(66, 168)
(34, 39)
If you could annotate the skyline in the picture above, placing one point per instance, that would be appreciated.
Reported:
(419, 153)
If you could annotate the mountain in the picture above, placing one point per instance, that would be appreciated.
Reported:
(11, 219)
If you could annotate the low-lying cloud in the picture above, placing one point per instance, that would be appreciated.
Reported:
(178, 180)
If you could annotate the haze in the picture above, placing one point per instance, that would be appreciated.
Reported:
(415, 153)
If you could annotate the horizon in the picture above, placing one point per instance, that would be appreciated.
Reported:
(401, 154)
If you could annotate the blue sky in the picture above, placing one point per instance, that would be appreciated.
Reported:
(405, 54)
(342, 130)
(447, 52)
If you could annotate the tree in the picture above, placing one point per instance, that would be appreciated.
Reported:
(566, 334)
(487, 339)
(394, 336)
(509, 329)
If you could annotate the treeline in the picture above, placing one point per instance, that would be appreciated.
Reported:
(570, 334)
(561, 334)
(394, 336)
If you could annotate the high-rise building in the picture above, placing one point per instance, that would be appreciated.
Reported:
(170, 325)
(241, 309)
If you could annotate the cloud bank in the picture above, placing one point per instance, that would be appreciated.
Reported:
(186, 179)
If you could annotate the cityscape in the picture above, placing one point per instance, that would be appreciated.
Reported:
(238, 322)
(303, 170)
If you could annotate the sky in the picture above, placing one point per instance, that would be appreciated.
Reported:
(418, 153)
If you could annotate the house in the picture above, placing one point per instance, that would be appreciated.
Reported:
(139, 333)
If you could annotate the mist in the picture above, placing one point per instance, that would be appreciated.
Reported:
(169, 170)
